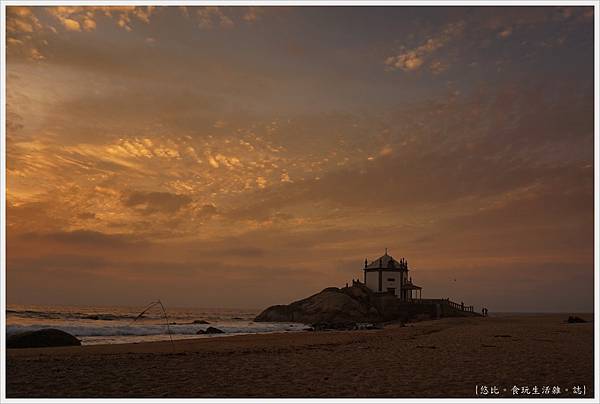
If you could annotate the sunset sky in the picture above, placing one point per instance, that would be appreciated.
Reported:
(249, 156)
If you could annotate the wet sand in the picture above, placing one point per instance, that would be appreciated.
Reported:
(442, 358)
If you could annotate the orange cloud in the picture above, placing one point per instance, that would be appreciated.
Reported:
(89, 24)
(252, 14)
(413, 59)
(505, 33)
(103, 154)
(71, 25)
(261, 182)
(210, 17)
(74, 17)
(21, 20)
(437, 67)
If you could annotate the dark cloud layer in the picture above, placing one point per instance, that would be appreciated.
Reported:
(151, 202)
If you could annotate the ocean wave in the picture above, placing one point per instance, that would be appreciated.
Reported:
(88, 330)
(53, 315)
(173, 316)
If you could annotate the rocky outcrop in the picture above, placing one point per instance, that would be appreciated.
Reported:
(48, 337)
(335, 308)
(330, 306)
(575, 319)
(211, 330)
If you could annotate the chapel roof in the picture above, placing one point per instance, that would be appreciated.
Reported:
(387, 262)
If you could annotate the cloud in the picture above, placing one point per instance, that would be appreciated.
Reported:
(252, 14)
(209, 209)
(184, 11)
(211, 17)
(479, 29)
(285, 177)
(89, 24)
(23, 30)
(124, 21)
(245, 251)
(71, 25)
(224, 17)
(143, 13)
(505, 22)
(27, 26)
(72, 18)
(505, 33)
(203, 164)
(21, 20)
(443, 152)
(153, 202)
(88, 237)
(261, 182)
(14, 41)
(588, 12)
(413, 59)
(437, 66)
(35, 54)
(212, 161)
(86, 215)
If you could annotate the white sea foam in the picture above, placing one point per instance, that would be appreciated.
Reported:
(110, 325)
(102, 325)
(154, 329)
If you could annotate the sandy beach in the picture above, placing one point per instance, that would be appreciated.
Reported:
(442, 358)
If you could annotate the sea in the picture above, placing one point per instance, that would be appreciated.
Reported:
(118, 325)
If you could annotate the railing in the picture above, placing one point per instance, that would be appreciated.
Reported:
(459, 306)
(454, 305)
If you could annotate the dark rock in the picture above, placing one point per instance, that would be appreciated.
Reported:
(357, 304)
(368, 326)
(373, 312)
(48, 337)
(200, 322)
(575, 319)
(105, 317)
(213, 330)
(200, 332)
(334, 326)
(332, 307)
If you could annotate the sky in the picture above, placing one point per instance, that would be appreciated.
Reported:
(248, 156)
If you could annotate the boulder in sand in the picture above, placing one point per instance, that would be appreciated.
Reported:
(575, 319)
(48, 337)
